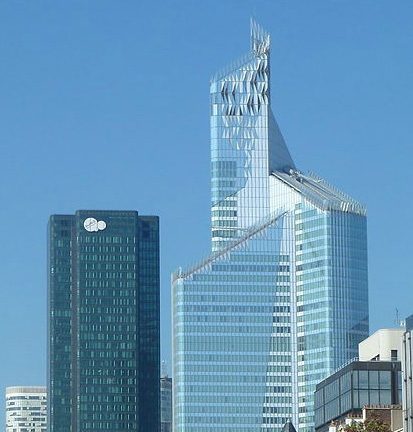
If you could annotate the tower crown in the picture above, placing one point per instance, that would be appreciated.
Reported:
(260, 39)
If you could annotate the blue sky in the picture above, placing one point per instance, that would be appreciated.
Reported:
(105, 104)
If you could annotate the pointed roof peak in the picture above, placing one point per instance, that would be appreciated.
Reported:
(288, 427)
(260, 38)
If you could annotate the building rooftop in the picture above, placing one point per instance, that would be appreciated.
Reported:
(25, 389)
(384, 344)
(319, 192)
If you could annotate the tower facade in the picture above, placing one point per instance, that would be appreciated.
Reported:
(26, 409)
(282, 300)
(166, 404)
(103, 322)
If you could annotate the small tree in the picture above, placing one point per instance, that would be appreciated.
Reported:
(372, 425)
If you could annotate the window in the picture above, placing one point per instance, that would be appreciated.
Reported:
(374, 380)
(364, 398)
(385, 397)
(374, 397)
(385, 380)
(363, 380)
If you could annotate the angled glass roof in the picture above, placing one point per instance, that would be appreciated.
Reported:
(319, 192)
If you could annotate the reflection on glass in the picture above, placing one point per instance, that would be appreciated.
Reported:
(356, 402)
(363, 398)
(363, 379)
(385, 397)
(345, 382)
(399, 380)
(355, 379)
(346, 401)
(385, 380)
(374, 379)
(374, 397)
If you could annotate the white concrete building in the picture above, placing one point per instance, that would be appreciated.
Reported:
(26, 409)
(383, 345)
(407, 371)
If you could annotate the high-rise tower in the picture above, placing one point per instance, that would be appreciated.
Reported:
(103, 323)
(282, 301)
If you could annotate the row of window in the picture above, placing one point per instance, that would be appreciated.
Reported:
(230, 202)
(228, 308)
(232, 359)
(243, 277)
(250, 268)
(224, 213)
(109, 275)
(93, 238)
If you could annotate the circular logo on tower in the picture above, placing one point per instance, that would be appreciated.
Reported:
(92, 224)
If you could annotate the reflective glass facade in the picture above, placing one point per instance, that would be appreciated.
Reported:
(282, 300)
(103, 342)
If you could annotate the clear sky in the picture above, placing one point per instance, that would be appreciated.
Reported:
(105, 104)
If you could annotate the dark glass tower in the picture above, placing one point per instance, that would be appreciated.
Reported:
(103, 322)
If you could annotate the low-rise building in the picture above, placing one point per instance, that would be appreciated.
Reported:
(26, 409)
(390, 415)
(373, 379)
(407, 368)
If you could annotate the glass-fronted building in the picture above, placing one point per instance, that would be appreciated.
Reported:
(26, 409)
(166, 404)
(359, 384)
(103, 322)
(282, 300)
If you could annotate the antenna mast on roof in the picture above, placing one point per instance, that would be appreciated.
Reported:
(164, 369)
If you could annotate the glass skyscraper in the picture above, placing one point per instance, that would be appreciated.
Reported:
(103, 322)
(282, 300)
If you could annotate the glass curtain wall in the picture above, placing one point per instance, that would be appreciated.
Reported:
(282, 300)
